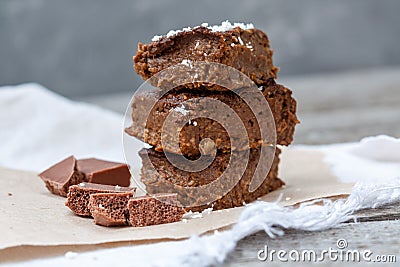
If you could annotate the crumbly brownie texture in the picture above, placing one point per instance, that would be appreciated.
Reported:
(110, 209)
(157, 171)
(78, 195)
(104, 172)
(59, 177)
(149, 130)
(246, 50)
(152, 210)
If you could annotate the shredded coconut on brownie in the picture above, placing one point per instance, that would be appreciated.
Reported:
(225, 26)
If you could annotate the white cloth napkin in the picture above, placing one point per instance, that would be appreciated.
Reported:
(38, 128)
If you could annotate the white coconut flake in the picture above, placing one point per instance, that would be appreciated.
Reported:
(147, 146)
(240, 40)
(187, 62)
(101, 206)
(225, 26)
(156, 38)
(181, 109)
(194, 123)
(197, 44)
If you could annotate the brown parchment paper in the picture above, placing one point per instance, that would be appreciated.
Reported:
(31, 216)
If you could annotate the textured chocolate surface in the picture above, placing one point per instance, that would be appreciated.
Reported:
(78, 195)
(110, 209)
(245, 50)
(104, 172)
(149, 130)
(157, 173)
(153, 210)
(59, 177)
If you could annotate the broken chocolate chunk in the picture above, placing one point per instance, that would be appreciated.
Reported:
(152, 210)
(78, 195)
(110, 209)
(59, 177)
(104, 172)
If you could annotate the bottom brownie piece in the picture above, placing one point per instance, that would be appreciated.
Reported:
(78, 195)
(152, 210)
(110, 209)
(160, 176)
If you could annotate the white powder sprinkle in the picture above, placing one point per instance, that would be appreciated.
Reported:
(194, 123)
(184, 220)
(225, 26)
(71, 255)
(232, 44)
(101, 206)
(82, 184)
(288, 198)
(117, 188)
(181, 110)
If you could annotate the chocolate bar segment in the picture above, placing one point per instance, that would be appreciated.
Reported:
(110, 209)
(243, 48)
(153, 210)
(78, 195)
(104, 172)
(59, 177)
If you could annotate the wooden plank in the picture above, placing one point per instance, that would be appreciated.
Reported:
(380, 237)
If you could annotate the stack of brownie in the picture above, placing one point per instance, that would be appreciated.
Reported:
(241, 47)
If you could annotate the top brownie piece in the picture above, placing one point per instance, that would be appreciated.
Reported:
(239, 46)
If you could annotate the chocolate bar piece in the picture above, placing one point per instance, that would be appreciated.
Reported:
(239, 46)
(59, 177)
(70, 171)
(150, 129)
(78, 195)
(104, 172)
(110, 209)
(160, 175)
(152, 210)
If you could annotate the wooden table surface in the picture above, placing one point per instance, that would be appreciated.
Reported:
(332, 108)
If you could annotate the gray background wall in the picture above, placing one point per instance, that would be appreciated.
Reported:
(80, 48)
